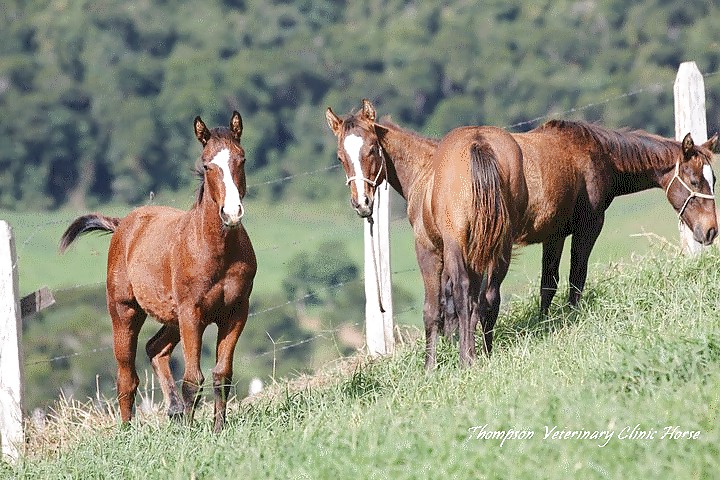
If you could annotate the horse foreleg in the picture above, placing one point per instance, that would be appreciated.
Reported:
(430, 265)
(158, 349)
(580, 249)
(551, 254)
(228, 333)
(191, 329)
(126, 323)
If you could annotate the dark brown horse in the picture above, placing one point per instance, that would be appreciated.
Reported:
(574, 170)
(186, 269)
(461, 212)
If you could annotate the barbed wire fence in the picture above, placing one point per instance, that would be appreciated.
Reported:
(322, 334)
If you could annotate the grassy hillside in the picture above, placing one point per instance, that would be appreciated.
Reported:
(639, 361)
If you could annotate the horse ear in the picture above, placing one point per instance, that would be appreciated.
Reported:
(711, 143)
(201, 131)
(236, 125)
(368, 110)
(333, 121)
(688, 146)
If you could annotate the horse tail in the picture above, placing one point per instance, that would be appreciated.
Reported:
(489, 234)
(93, 222)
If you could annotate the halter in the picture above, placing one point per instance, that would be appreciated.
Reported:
(693, 193)
(362, 177)
(373, 183)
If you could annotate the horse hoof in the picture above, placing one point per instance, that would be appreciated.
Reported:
(176, 415)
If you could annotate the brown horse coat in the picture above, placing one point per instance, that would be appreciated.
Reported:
(478, 200)
(186, 269)
(573, 172)
(473, 176)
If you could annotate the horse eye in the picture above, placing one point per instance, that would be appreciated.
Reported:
(206, 167)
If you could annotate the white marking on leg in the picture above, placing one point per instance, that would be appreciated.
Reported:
(231, 203)
(710, 177)
(353, 144)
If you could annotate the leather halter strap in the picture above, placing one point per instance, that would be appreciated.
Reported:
(693, 193)
(362, 177)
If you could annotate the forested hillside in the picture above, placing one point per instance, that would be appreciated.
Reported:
(97, 97)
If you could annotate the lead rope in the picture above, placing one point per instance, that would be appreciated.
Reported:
(693, 193)
(376, 267)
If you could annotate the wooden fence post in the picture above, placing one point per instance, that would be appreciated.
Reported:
(11, 374)
(378, 283)
(689, 91)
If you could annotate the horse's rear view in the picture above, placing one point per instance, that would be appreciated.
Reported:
(186, 269)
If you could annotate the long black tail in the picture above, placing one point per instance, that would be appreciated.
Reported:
(93, 222)
(490, 232)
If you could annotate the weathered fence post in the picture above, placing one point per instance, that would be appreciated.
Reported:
(690, 117)
(378, 282)
(11, 374)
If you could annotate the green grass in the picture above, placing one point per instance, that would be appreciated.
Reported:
(642, 349)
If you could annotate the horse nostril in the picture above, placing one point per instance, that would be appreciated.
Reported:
(711, 234)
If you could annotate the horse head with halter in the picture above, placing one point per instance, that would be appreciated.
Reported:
(360, 154)
(691, 190)
(223, 163)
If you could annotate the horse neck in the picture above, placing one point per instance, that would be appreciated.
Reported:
(409, 160)
(651, 165)
(204, 219)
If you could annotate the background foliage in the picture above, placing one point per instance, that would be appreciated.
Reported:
(98, 96)
(97, 100)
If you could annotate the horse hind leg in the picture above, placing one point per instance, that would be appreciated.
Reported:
(158, 349)
(457, 274)
(430, 264)
(449, 315)
(126, 323)
(491, 302)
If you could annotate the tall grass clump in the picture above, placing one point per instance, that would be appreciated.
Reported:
(625, 386)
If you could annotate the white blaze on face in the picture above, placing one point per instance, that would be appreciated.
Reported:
(353, 144)
(708, 174)
(232, 194)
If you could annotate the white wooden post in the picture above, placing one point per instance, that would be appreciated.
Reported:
(378, 282)
(11, 374)
(690, 117)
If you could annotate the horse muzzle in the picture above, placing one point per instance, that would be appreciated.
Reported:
(234, 219)
(364, 209)
(705, 236)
